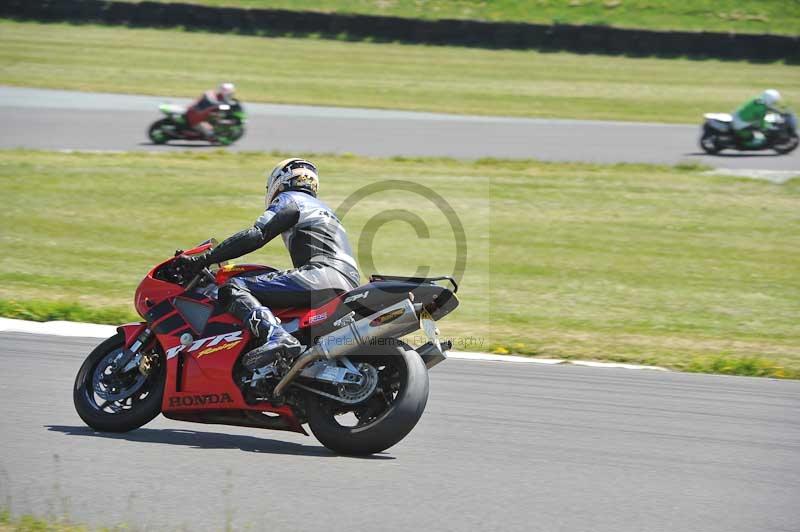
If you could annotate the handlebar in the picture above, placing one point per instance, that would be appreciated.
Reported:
(206, 274)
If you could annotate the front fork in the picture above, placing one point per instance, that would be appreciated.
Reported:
(131, 356)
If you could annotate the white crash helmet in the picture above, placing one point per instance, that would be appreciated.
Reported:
(291, 174)
(771, 96)
(226, 90)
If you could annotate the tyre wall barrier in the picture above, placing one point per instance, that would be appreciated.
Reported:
(514, 35)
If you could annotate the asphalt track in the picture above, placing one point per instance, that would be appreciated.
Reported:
(52, 119)
(502, 446)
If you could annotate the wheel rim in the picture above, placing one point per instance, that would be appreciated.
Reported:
(111, 392)
(391, 375)
(224, 134)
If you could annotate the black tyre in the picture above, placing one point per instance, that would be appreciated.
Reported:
(116, 403)
(237, 132)
(708, 142)
(156, 132)
(787, 145)
(383, 419)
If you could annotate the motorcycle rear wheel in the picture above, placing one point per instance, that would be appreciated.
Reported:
(129, 402)
(387, 416)
(156, 131)
(708, 143)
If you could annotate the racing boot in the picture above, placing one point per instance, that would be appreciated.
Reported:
(272, 341)
(757, 141)
(207, 131)
(751, 140)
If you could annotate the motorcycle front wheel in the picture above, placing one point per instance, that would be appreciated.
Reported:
(787, 145)
(227, 134)
(383, 419)
(111, 401)
(238, 132)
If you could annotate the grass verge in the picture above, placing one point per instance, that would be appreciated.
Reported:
(747, 16)
(64, 311)
(395, 76)
(633, 263)
(28, 523)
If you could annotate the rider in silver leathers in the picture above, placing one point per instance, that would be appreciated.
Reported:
(317, 243)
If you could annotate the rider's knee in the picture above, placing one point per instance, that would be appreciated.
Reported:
(228, 293)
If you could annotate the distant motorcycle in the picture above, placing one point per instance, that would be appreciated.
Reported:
(718, 133)
(228, 123)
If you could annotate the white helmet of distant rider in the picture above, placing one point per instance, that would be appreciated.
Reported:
(291, 174)
(226, 91)
(771, 97)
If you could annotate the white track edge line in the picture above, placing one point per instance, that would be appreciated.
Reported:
(95, 330)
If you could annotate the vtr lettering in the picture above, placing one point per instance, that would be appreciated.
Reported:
(211, 341)
(199, 400)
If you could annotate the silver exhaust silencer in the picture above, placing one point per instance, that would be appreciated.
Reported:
(390, 323)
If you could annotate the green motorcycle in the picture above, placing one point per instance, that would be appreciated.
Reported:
(228, 124)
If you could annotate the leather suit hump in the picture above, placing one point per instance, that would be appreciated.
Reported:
(317, 235)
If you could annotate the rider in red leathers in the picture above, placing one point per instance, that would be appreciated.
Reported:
(197, 115)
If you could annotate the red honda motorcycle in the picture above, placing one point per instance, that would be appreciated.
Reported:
(359, 388)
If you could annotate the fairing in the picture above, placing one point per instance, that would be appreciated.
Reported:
(232, 270)
(152, 291)
(203, 343)
(199, 376)
(791, 121)
(171, 109)
(131, 331)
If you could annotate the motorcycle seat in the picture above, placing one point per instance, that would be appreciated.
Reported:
(720, 117)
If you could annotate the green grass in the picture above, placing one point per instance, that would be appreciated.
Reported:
(64, 310)
(633, 263)
(29, 523)
(753, 16)
(413, 77)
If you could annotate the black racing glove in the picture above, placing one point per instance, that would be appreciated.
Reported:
(190, 265)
